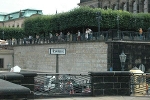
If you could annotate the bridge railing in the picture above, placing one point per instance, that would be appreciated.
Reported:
(110, 35)
(92, 84)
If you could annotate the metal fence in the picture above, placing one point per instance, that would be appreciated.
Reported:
(103, 36)
(62, 85)
(55, 85)
(140, 84)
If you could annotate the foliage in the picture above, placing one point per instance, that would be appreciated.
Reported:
(9, 33)
(83, 17)
(79, 19)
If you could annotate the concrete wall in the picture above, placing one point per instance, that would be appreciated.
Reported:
(79, 58)
(7, 55)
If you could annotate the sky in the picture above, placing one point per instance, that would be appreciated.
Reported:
(48, 7)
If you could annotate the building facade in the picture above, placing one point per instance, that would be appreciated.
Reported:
(134, 6)
(16, 19)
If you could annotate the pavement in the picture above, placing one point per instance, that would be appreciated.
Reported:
(102, 98)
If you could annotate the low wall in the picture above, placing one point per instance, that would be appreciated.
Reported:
(110, 83)
(17, 85)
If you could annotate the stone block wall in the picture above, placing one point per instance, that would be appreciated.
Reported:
(79, 57)
(110, 83)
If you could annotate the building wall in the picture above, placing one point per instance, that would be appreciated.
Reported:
(79, 58)
(1, 24)
(7, 55)
(16, 19)
(14, 23)
(134, 6)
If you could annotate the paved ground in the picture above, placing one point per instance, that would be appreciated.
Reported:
(101, 98)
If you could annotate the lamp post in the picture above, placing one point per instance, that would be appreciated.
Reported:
(122, 60)
(98, 17)
(118, 25)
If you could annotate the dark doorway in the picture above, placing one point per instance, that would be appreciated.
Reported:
(1, 63)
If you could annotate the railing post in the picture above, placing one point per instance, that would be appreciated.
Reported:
(148, 34)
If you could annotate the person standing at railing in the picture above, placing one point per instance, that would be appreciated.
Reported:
(141, 33)
(68, 36)
(90, 34)
(147, 88)
(56, 37)
(50, 37)
(61, 36)
(37, 39)
(78, 35)
(86, 34)
(30, 39)
(24, 40)
(13, 41)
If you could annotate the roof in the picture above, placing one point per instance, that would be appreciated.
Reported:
(25, 10)
(19, 14)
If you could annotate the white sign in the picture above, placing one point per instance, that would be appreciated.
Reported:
(57, 51)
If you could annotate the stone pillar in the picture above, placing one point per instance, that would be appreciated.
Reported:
(148, 6)
(113, 83)
(28, 81)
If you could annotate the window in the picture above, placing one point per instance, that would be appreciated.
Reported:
(145, 6)
(134, 7)
(1, 63)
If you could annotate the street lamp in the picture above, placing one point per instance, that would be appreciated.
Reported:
(118, 25)
(98, 17)
(122, 60)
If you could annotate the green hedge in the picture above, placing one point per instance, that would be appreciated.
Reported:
(9, 33)
(83, 17)
(79, 19)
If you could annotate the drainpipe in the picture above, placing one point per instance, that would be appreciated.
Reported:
(12, 59)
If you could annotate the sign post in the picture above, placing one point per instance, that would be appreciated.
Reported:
(57, 51)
